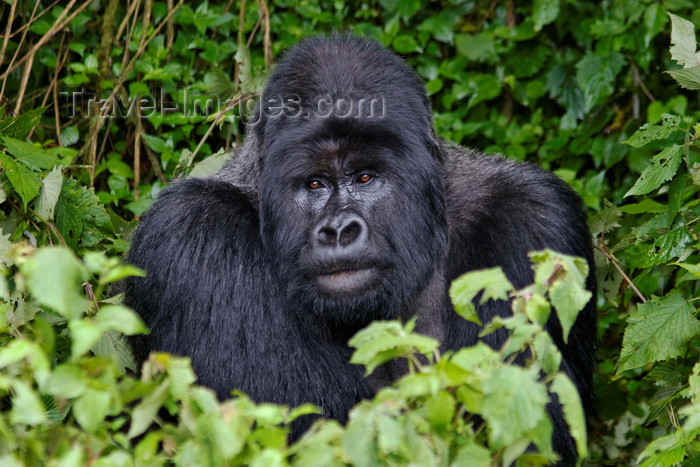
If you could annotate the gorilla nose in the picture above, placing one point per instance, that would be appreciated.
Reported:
(345, 230)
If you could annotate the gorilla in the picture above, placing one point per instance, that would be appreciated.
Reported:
(343, 207)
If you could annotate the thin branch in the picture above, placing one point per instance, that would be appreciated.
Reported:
(619, 269)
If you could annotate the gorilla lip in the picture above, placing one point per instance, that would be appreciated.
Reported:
(347, 280)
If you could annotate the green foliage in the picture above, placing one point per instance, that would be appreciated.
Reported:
(576, 87)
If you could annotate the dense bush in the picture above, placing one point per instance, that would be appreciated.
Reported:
(589, 90)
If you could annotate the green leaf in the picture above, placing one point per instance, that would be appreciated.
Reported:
(382, 341)
(648, 133)
(79, 215)
(119, 318)
(25, 182)
(659, 330)
(514, 403)
(32, 156)
(91, 409)
(70, 135)
(406, 44)
(595, 75)
(493, 282)
(115, 347)
(26, 406)
(476, 47)
(84, 335)
(569, 398)
(19, 127)
(684, 43)
(662, 168)
(210, 165)
(50, 192)
(67, 381)
(144, 413)
(688, 78)
(544, 12)
(55, 278)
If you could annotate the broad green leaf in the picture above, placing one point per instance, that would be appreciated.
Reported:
(210, 165)
(684, 43)
(67, 381)
(55, 278)
(114, 346)
(659, 330)
(48, 197)
(25, 182)
(663, 167)
(595, 75)
(606, 220)
(382, 341)
(514, 403)
(440, 409)
(79, 215)
(493, 282)
(144, 413)
(26, 405)
(119, 318)
(565, 277)
(648, 133)
(544, 12)
(688, 78)
(91, 409)
(70, 135)
(477, 47)
(19, 127)
(85, 335)
(569, 398)
(32, 156)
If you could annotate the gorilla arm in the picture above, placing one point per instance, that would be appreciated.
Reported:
(499, 210)
(210, 294)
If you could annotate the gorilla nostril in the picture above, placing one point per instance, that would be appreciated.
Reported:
(349, 233)
(327, 236)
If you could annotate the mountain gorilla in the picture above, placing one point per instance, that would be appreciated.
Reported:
(343, 207)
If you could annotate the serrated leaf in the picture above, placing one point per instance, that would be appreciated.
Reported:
(55, 276)
(210, 165)
(218, 83)
(19, 127)
(663, 167)
(595, 75)
(648, 133)
(493, 282)
(32, 156)
(115, 347)
(25, 182)
(688, 78)
(514, 403)
(683, 40)
(569, 398)
(659, 330)
(48, 197)
(79, 215)
(606, 220)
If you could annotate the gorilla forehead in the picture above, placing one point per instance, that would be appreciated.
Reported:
(352, 68)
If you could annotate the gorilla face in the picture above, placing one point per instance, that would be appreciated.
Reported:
(361, 223)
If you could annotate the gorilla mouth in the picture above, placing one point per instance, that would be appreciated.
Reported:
(347, 281)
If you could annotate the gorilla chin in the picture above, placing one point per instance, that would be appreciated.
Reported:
(353, 281)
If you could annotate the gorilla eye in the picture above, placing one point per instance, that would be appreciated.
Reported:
(365, 178)
(315, 184)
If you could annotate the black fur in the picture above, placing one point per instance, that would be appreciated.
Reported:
(260, 275)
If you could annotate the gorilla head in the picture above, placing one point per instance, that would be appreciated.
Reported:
(351, 198)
